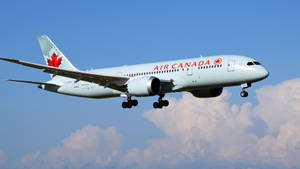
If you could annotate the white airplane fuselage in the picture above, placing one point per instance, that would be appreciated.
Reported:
(186, 75)
(203, 77)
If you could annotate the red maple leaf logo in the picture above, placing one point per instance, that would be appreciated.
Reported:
(54, 62)
(218, 61)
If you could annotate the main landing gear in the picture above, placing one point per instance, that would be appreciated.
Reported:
(161, 103)
(244, 93)
(129, 103)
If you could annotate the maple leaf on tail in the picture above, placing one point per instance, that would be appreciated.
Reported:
(54, 62)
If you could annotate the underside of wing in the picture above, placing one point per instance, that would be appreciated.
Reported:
(114, 82)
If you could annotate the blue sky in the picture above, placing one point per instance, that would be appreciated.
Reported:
(98, 34)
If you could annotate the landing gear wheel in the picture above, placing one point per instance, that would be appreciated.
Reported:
(125, 105)
(129, 103)
(165, 103)
(244, 86)
(244, 94)
(134, 102)
(155, 105)
(160, 105)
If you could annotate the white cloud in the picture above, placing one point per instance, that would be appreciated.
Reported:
(212, 129)
(279, 104)
(90, 147)
(283, 148)
(196, 130)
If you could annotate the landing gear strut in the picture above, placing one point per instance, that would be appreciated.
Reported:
(129, 103)
(161, 103)
(244, 93)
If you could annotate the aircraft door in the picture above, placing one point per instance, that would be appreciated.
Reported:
(230, 66)
(189, 71)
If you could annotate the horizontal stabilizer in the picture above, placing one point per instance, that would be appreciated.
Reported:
(32, 82)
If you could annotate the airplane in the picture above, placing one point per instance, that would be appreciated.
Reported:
(203, 77)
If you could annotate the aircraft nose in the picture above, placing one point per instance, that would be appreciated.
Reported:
(264, 73)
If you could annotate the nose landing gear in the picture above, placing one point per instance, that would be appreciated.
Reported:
(161, 103)
(244, 93)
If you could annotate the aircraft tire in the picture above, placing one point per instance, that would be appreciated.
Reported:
(165, 103)
(129, 104)
(134, 102)
(155, 105)
(160, 104)
(124, 105)
(244, 94)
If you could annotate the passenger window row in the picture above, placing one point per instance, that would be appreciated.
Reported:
(168, 71)
(211, 66)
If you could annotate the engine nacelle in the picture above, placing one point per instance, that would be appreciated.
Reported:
(144, 86)
(204, 93)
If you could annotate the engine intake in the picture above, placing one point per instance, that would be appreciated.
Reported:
(144, 86)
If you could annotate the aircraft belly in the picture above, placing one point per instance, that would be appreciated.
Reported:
(201, 79)
(90, 91)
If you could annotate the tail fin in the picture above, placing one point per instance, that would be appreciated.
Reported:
(53, 56)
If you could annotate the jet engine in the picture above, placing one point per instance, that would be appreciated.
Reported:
(144, 86)
(204, 93)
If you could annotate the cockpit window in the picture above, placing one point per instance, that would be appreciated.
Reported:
(250, 63)
(256, 63)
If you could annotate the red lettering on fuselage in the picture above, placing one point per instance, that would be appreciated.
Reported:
(186, 64)
(166, 66)
(201, 63)
(194, 64)
(180, 65)
(173, 66)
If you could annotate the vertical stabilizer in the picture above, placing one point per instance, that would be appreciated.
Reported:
(53, 56)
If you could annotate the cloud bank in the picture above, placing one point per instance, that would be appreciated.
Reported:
(89, 147)
(196, 131)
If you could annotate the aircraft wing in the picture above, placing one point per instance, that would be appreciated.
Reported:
(114, 82)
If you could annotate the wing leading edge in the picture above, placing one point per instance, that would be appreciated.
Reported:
(114, 82)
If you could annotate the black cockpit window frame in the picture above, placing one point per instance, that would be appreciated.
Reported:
(250, 63)
(256, 63)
